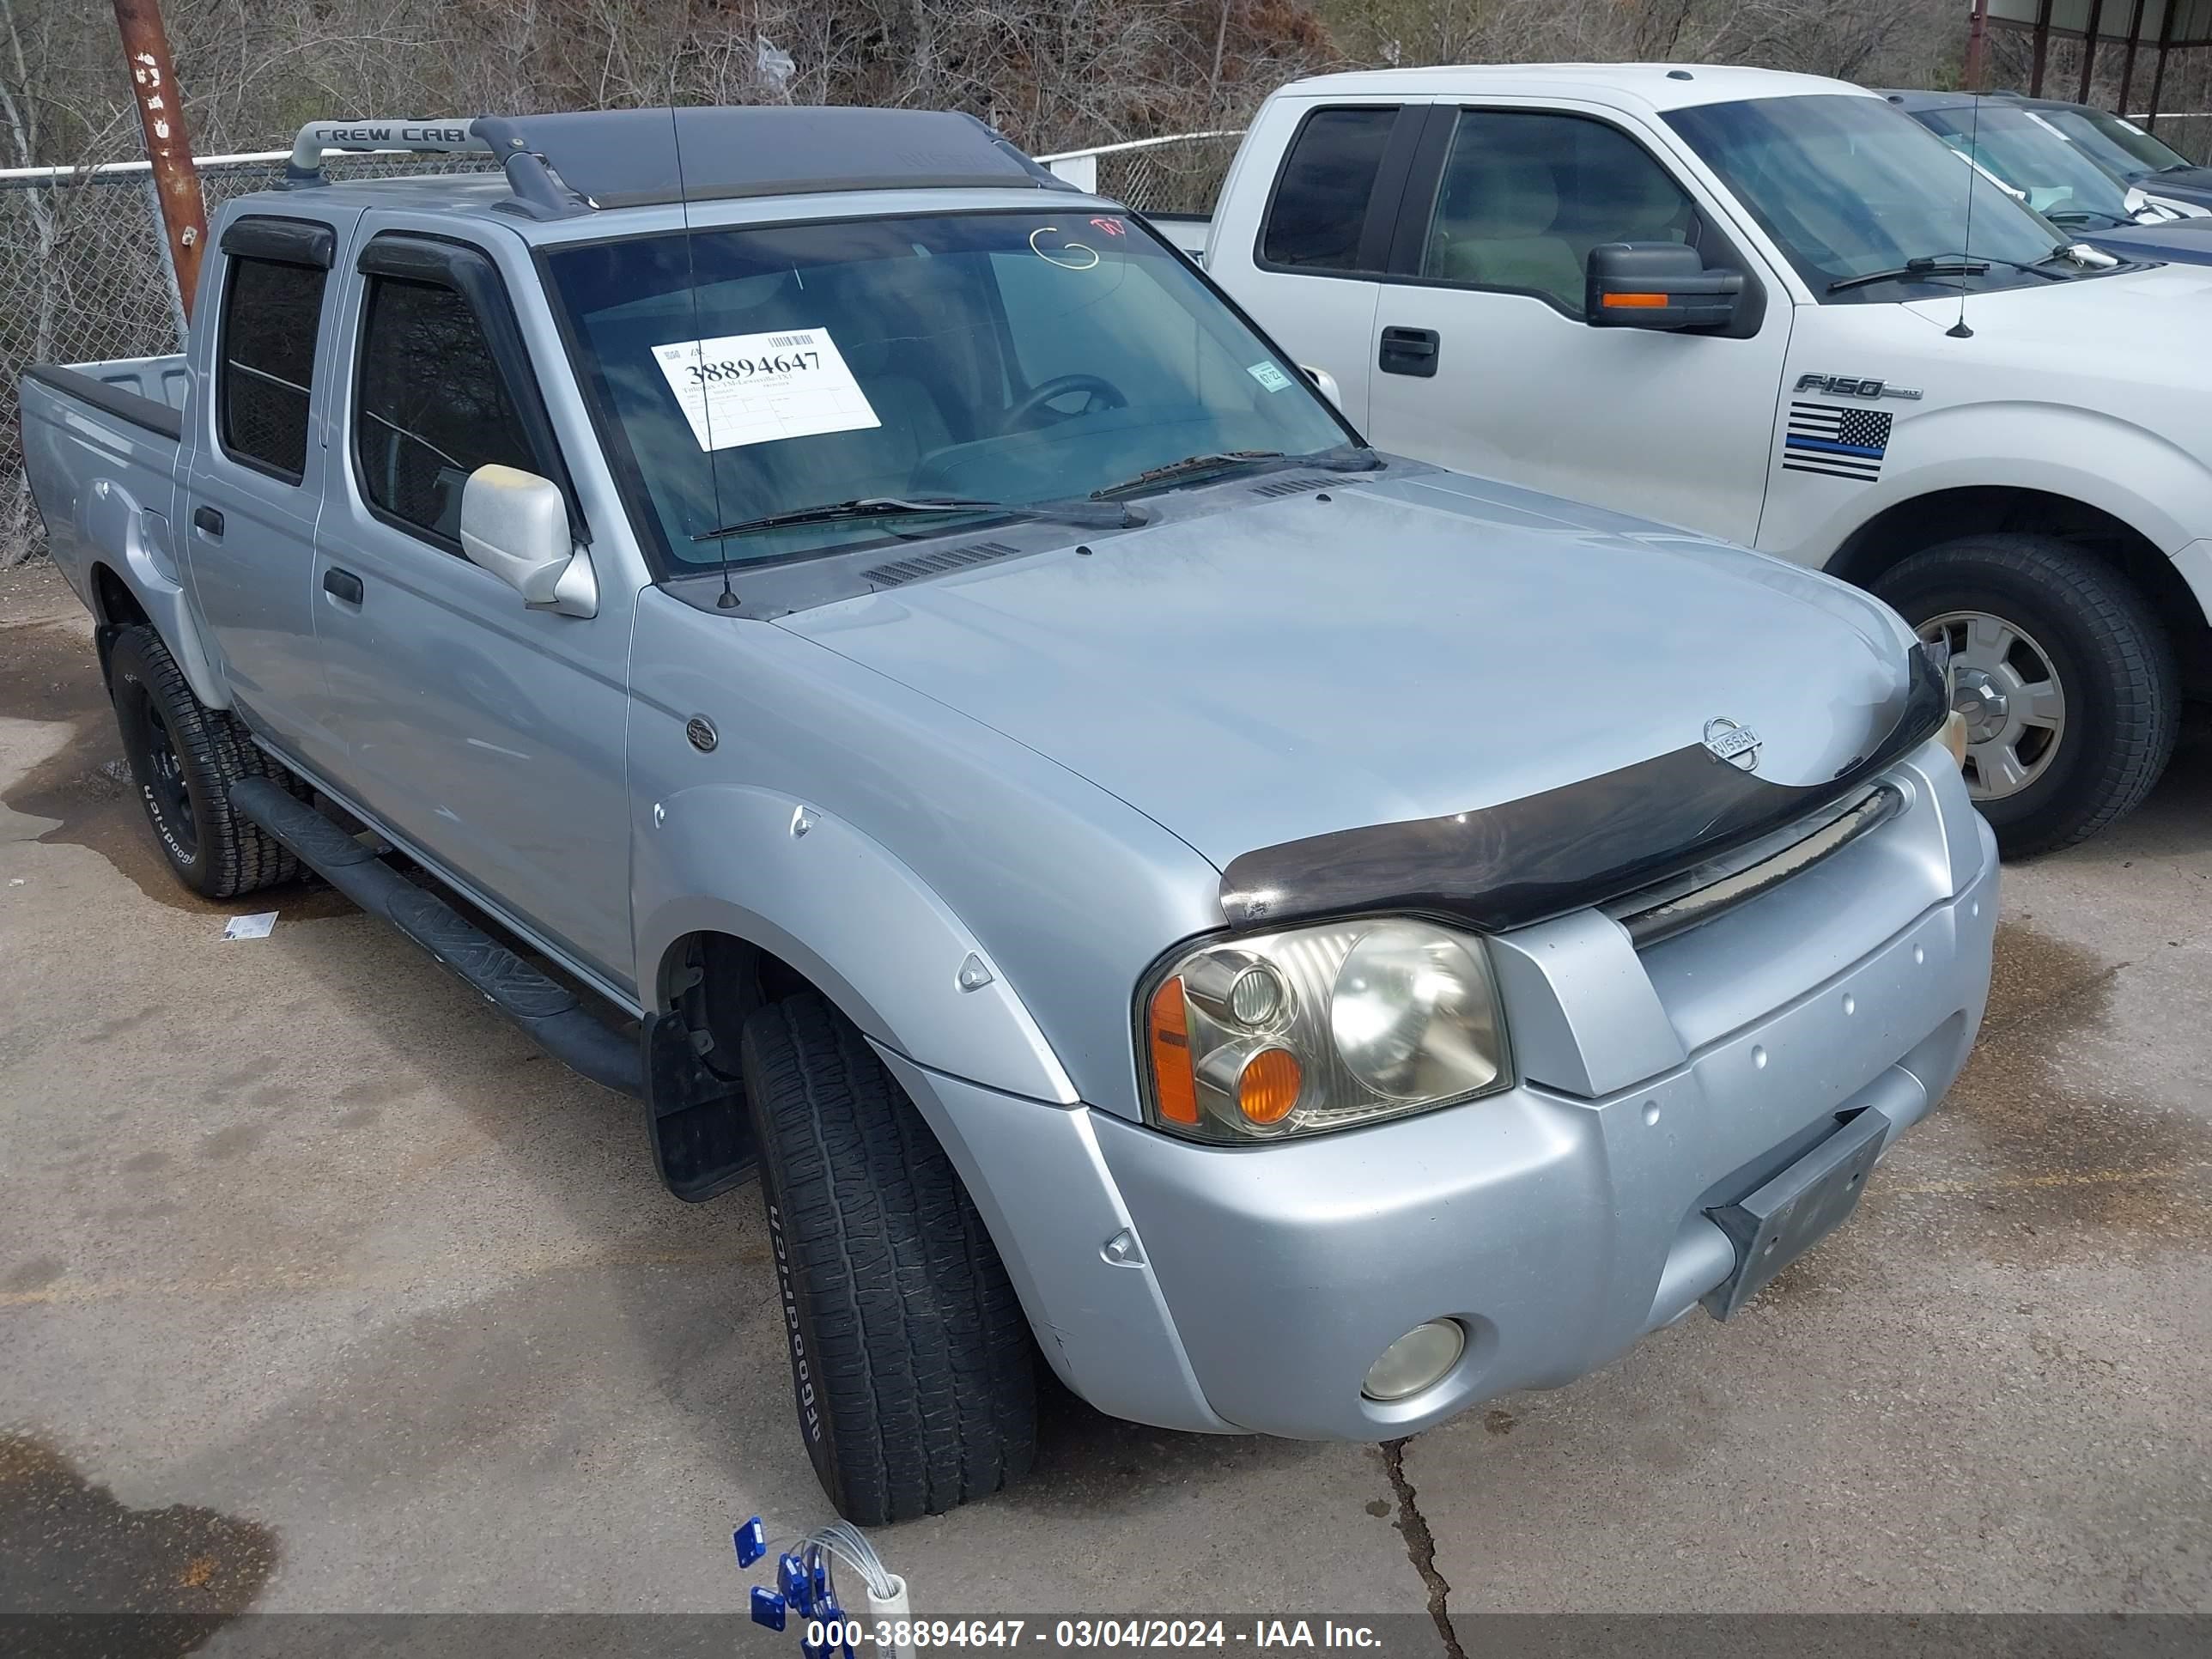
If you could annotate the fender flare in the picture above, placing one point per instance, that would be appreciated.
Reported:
(844, 910)
(131, 540)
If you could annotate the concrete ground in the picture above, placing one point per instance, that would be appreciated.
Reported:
(321, 1290)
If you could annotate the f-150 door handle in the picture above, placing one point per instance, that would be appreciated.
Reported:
(1408, 351)
(341, 584)
(207, 521)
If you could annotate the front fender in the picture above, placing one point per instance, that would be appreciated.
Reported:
(2147, 482)
(843, 910)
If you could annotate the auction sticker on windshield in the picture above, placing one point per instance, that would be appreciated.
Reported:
(755, 388)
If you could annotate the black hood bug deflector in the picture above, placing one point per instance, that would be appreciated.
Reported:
(1524, 861)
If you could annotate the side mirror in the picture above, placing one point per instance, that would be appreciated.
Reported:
(515, 525)
(1661, 285)
(1324, 382)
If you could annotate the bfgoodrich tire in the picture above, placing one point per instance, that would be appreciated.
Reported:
(910, 1357)
(184, 757)
(2069, 685)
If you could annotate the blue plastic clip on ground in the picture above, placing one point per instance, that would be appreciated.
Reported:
(768, 1607)
(751, 1541)
(796, 1583)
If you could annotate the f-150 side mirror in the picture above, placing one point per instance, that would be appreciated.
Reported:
(1661, 285)
(515, 525)
(1324, 382)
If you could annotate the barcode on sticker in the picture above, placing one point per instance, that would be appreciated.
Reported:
(791, 340)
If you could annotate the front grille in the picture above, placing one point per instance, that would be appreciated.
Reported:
(1696, 896)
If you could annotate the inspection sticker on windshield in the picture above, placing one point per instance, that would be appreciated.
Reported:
(755, 388)
(1268, 376)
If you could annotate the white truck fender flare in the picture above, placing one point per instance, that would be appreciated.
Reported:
(843, 910)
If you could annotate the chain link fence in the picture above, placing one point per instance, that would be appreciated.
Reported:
(1181, 173)
(84, 276)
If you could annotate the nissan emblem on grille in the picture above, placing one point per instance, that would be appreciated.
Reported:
(1736, 745)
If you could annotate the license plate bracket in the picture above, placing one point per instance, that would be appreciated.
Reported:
(1795, 1209)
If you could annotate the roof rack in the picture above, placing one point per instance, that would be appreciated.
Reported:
(561, 164)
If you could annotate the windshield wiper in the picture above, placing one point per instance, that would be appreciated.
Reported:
(1360, 459)
(887, 507)
(1945, 264)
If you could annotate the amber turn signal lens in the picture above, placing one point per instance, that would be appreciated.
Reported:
(1174, 1084)
(1635, 301)
(1269, 1086)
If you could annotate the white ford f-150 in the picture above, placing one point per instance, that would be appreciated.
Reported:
(1762, 306)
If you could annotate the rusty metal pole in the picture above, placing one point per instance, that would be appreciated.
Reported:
(1978, 31)
(162, 113)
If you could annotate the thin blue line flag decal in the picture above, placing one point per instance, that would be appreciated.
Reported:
(1843, 443)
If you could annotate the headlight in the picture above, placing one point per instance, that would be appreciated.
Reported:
(1320, 1028)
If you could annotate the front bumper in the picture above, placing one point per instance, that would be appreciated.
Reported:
(1250, 1289)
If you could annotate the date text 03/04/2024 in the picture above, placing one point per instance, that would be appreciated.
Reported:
(1262, 1634)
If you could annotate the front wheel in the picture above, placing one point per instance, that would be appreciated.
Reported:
(910, 1357)
(2068, 685)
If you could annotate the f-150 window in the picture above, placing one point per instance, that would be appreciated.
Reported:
(1525, 195)
(950, 364)
(1320, 206)
(432, 406)
(265, 370)
(1864, 201)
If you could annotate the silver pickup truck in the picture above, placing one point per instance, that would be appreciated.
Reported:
(879, 661)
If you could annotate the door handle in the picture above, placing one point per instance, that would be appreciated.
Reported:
(207, 521)
(341, 584)
(1409, 351)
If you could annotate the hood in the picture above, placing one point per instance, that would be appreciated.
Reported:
(2102, 342)
(2188, 241)
(1384, 651)
(2184, 185)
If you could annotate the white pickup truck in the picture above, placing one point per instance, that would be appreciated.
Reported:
(1751, 303)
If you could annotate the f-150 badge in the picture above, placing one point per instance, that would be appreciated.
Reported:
(1736, 745)
(1846, 386)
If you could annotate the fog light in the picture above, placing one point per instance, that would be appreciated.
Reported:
(1415, 1360)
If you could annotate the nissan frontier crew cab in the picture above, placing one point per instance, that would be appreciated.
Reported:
(1776, 309)
(1302, 938)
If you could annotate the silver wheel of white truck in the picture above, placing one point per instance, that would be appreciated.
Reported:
(910, 1359)
(2068, 684)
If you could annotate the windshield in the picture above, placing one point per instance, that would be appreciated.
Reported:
(1851, 187)
(2061, 183)
(2116, 144)
(990, 358)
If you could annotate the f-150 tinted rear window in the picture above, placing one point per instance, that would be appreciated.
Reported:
(1320, 207)
(266, 369)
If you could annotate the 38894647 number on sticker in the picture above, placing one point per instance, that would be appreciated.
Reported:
(741, 389)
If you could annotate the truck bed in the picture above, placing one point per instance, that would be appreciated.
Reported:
(100, 445)
(146, 391)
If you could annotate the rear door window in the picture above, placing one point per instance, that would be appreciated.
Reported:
(265, 371)
(1319, 214)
